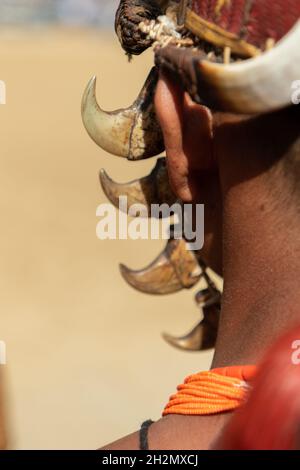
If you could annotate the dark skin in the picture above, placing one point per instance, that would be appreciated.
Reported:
(237, 167)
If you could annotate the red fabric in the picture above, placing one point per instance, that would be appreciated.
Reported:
(255, 21)
(270, 420)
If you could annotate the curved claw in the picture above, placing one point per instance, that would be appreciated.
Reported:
(152, 189)
(175, 269)
(202, 337)
(159, 278)
(191, 342)
(132, 133)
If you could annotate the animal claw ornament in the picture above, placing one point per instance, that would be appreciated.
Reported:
(175, 269)
(149, 190)
(220, 52)
(132, 133)
(203, 336)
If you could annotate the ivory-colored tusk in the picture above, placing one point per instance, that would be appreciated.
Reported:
(258, 85)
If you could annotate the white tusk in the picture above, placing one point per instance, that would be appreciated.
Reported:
(258, 85)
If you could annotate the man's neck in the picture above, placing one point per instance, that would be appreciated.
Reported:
(261, 267)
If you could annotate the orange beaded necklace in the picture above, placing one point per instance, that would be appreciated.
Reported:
(216, 391)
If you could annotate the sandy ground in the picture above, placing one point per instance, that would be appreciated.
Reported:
(85, 360)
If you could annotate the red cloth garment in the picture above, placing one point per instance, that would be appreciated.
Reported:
(254, 21)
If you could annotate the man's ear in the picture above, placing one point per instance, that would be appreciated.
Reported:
(187, 130)
(169, 102)
(169, 106)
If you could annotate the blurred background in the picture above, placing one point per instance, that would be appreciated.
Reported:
(98, 13)
(85, 360)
